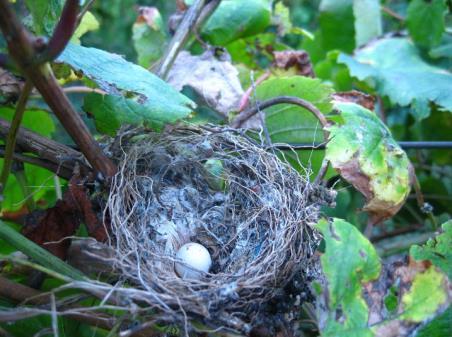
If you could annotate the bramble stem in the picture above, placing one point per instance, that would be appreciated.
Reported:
(21, 49)
(12, 134)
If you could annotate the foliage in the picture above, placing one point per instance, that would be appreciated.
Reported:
(398, 51)
(364, 152)
(347, 309)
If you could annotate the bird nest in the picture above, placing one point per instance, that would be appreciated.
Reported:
(252, 211)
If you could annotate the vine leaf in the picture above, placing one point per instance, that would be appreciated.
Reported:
(363, 151)
(288, 123)
(395, 69)
(235, 19)
(116, 76)
(346, 267)
(420, 12)
(110, 112)
(437, 250)
(368, 23)
(426, 295)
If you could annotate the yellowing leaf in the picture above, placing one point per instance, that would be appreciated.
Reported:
(427, 293)
(363, 151)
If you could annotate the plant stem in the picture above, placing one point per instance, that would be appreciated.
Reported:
(52, 155)
(21, 48)
(247, 114)
(180, 38)
(18, 170)
(12, 134)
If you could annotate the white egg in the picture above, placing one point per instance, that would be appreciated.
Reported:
(195, 260)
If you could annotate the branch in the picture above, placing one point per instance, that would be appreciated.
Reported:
(180, 38)
(62, 33)
(247, 114)
(12, 134)
(54, 156)
(21, 49)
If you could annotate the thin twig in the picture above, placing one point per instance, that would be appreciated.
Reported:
(52, 155)
(12, 134)
(247, 114)
(406, 145)
(180, 38)
(58, 169)
(18, 170)
(391, 13)
(246, 96)
(84, 10)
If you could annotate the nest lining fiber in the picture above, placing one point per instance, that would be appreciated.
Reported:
(251, 210)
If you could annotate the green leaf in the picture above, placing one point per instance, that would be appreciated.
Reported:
(425, 21)
(395, 69)
(437, 250)
(346, 267)
(438, 327)
(368, 23)
(235, 19)
(89, 23)
(110, 112)
(365, 154)
(426, 295)
(45, 14)
(115, 75)
(149, 37)
(288, 123)
(337, 27)
(38, 179)
(37, 253)
(420, 109)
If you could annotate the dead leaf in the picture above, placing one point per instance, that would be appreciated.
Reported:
(148, 14)
(297, 59)
(213, 78)
(354, 96)
(50, 228)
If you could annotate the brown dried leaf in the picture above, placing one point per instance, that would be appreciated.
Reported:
(50, 228)
(213, 78)
(297, 59)
(354, 96)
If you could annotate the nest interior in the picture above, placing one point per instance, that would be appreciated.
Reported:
(250, 209)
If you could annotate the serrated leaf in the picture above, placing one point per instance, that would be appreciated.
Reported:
(288, 123)
(395, 69)
(116, 76)
(89, 23)
(363, 151)
(368, 23)
(148, 35)
(346, 267)
(437, 250)
(235, 19)
(45, 14)
(110, 112)
(426, 295)
(425, 21)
